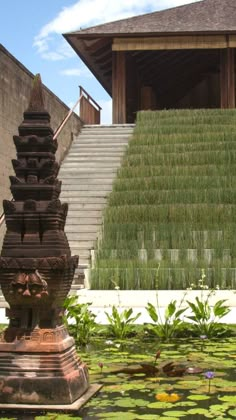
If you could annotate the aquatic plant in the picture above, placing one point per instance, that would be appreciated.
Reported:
(206, 318)
(169, 326)
(79, 319)
(120, 323)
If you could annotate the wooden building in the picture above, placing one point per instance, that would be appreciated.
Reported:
(182, 57)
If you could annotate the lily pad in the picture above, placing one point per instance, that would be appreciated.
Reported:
(188, 384)
(198, 397)
(125, 402)
(185, 404)
(147, 417)
(176, 413)
(160, 404)
(232, 412)
(118, 415)
(228, 398)
(198, 411)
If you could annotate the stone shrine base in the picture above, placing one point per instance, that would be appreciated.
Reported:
(67, 408)
(41, 368)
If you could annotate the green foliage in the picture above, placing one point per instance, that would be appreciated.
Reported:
(79, 319)
(206, 318)
(173, 202)
(171, 324)
(120, 323)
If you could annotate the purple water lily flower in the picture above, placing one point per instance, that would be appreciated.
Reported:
(203, 337)
(209, 375)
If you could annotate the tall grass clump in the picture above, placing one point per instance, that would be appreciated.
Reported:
(173, 204)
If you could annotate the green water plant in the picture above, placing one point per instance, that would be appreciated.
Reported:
(172, 322)
(205, 318)
(79, 319)
(120, 323)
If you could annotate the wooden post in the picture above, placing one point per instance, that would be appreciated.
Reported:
(227, 78)
(132, 89)
(119, 87)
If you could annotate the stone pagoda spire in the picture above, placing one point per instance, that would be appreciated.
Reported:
(36, 272)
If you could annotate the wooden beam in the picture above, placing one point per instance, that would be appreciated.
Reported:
(119, 87)
(232, 41)
(227, 78)
(171, 43)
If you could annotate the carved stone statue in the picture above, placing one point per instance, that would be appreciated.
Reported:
(39, 363)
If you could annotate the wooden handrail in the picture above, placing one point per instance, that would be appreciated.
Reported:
(58, 130)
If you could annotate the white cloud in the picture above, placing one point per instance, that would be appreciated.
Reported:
(76, 72)
(85, 13)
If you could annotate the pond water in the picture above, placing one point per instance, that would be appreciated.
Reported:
(132, 389)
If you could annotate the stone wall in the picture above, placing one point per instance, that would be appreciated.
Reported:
(15, 88)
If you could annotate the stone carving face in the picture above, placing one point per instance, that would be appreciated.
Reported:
(29, 285)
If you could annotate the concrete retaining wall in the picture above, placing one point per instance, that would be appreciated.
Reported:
(102, 300)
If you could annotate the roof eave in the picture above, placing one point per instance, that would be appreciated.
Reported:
(86, 62)
(148, 34)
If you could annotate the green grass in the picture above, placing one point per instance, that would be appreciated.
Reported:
(173, 203)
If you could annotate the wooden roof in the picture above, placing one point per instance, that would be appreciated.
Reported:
(94, 45)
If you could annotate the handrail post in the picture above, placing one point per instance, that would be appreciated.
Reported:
(90, 110)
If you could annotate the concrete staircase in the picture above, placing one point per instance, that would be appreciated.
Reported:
(87, 174)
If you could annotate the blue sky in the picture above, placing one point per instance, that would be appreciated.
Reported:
(32, 32)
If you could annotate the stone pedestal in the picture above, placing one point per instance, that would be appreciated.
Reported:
(40, 367)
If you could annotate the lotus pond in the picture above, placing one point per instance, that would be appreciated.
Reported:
(190, 379)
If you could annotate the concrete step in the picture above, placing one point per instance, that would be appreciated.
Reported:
(84, 147)
(87, 174)
(116, 141)
(84, 214)
(86, 207)
(85, 200)
(83, 236)
(92, 187)
(89, 182)
(80, 228)
(85, 171)
(72, 193)
(81, 154)
(84, 176)
(92, 158)
(114, 126)
(106, 138)
(83, 246)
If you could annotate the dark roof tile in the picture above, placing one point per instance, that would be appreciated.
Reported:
(201, 16)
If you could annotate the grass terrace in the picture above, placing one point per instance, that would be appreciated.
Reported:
(172, 209)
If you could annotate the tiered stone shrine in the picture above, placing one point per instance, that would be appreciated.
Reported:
(38, 361)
